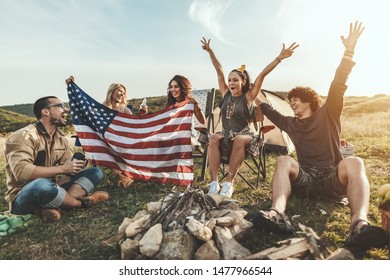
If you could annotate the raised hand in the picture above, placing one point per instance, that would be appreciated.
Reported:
(355, 30)
(206, 44)
(69, 80)
(284, 53)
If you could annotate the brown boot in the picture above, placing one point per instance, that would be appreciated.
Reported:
(49, 215)
(125, 181)
(96, 197)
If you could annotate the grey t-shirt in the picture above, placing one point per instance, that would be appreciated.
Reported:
(240, 118)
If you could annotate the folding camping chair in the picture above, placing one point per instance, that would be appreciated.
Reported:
(257, 164)
(206, 101)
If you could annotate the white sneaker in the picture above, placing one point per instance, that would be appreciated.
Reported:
(227, 189)
(214, 188)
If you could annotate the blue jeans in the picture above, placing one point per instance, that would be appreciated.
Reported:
(44, 193)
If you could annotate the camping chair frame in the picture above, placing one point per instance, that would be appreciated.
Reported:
(207, 108)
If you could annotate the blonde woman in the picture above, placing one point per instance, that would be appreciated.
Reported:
(116, 98)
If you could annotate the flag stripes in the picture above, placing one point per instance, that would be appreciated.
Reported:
(153, 147)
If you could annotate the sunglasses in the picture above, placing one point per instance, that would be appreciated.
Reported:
(62, 105)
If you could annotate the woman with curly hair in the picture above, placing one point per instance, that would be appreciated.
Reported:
(179, 89)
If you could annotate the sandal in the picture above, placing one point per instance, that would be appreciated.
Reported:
(278, 223)
(366, 236)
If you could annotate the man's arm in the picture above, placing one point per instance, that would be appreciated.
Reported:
(355, 30)
(338, 86)
(19, 152)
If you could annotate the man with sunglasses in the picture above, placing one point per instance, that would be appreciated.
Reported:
(42, 176)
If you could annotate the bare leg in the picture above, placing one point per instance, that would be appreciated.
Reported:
(214, 156)
(238, 155)
(287, 170)
(352, 174)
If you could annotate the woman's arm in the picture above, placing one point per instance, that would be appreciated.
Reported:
(198, 112)
(218, 67)
(284, 53)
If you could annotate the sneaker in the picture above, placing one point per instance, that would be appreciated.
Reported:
(214, 188)
(49, 215)
(96, 197)
(227, 189)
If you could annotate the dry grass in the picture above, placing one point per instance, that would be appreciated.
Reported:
(2, 147)
(366, 125)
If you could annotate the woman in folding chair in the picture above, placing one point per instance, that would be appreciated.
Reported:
(237, 103)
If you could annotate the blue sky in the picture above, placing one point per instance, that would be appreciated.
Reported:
(143, 44)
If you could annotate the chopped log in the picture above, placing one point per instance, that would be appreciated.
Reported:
(341, 254)
(309, 246)
(289, 251)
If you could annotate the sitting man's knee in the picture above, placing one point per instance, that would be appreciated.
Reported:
(99, 174)
(352, 163)
(284, 161)
(95, 175)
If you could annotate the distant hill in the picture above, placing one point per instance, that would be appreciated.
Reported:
(362, 105)
(24, 109)
(11, 121)
(155, 103)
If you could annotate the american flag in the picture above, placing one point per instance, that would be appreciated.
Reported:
(153, 147)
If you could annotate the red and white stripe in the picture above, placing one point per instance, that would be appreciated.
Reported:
(153, 147)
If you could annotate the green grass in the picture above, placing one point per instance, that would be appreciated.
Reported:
(79, 234)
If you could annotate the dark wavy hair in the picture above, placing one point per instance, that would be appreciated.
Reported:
(185, 89)
(306, 94)
(40, 104)
(245, 76)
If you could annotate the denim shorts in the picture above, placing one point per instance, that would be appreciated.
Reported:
(44, 193)
(321, 182)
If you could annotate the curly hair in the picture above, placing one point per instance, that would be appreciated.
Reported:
(244, 76)
(307, 95)
(185, 89)
(110, 91)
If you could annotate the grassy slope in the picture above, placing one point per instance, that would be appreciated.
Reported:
(80, 232)
(11, 121)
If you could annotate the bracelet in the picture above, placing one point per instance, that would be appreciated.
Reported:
(277, 58)
(349, 52)
(348, 57)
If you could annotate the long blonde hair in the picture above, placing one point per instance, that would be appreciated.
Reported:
(110, 91)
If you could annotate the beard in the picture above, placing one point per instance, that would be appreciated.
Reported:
(59, 121)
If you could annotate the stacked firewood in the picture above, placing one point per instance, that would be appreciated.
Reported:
(191, 225)
(185, 225)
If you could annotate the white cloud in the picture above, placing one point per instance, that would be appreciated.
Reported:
(208, 13)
